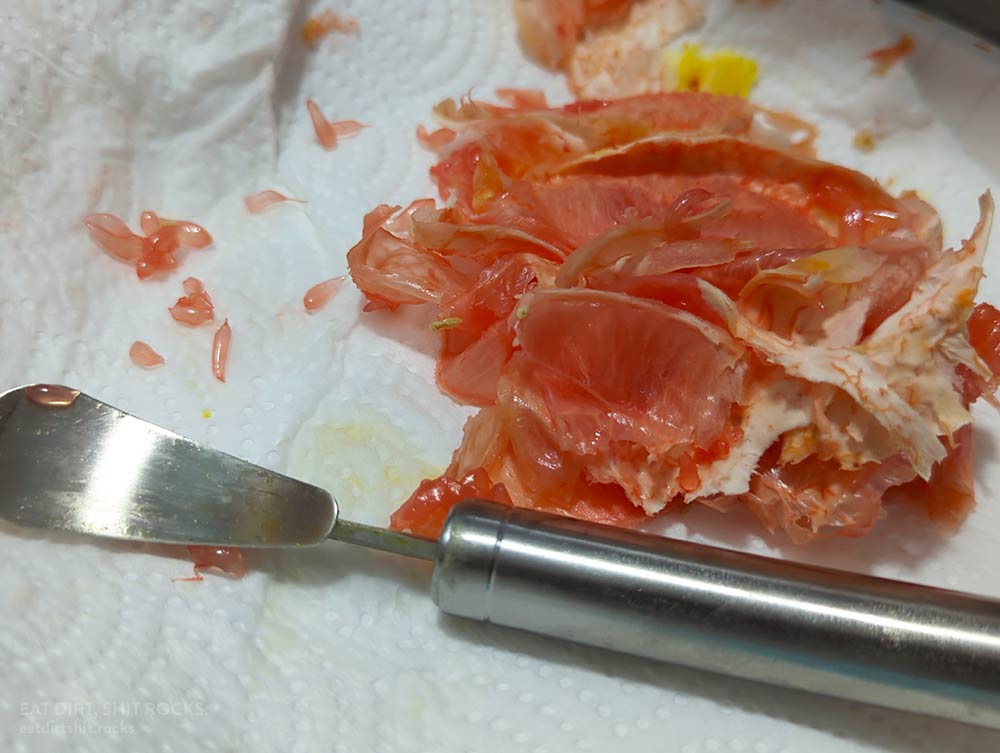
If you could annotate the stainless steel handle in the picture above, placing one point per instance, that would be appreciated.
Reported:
(867, 639)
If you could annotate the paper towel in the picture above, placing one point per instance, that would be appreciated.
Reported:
(184, 107)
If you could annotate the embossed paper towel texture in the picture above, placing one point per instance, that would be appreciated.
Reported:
(186, 106)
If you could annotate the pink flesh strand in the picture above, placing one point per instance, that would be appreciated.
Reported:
(259, 202)
(149, 223)
(220, 350)
(190, 315)
(158, 249)
(195, 307)
(524, 98)
(143, 355)
(435, 139)
(193, 286)
(347, 128)
(51, 395)
(193, 235)
(114, 236)
(152, 253)
(319, 26)
(325, 132)
(158, 252)
(885, 58)
(320, 294)
(162, 243)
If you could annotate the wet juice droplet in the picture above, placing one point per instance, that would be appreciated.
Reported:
(51, 395)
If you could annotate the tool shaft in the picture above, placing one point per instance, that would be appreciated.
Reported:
(384, 540)
(867, 639)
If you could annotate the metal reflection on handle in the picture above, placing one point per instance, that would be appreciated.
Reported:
(867, 639)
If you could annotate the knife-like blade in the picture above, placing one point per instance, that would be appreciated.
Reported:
(90, 468)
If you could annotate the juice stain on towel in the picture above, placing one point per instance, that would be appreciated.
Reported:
(369, 466)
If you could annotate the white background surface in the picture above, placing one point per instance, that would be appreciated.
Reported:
(184, 107)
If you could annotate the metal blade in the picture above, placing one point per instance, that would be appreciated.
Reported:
(92, 469)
